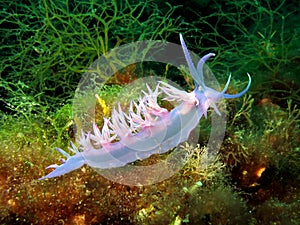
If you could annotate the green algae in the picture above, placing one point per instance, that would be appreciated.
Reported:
(48, 45)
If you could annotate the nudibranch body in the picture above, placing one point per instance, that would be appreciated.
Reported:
(147, 128)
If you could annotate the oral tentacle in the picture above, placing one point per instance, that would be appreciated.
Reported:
(241, 93)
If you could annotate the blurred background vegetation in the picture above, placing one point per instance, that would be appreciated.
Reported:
(47, 45)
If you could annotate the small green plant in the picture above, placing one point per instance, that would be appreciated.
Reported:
(49, 126)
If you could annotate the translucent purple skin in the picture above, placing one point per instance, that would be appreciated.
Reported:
(147, 129)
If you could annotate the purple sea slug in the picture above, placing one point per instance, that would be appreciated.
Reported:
(147, 128)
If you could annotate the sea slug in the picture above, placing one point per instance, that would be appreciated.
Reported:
(147, 128)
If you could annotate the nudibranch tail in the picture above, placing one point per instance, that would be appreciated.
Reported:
(71, 163)
(147, 128)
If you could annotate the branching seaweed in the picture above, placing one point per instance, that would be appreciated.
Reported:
(47, 45)
(256, 31)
